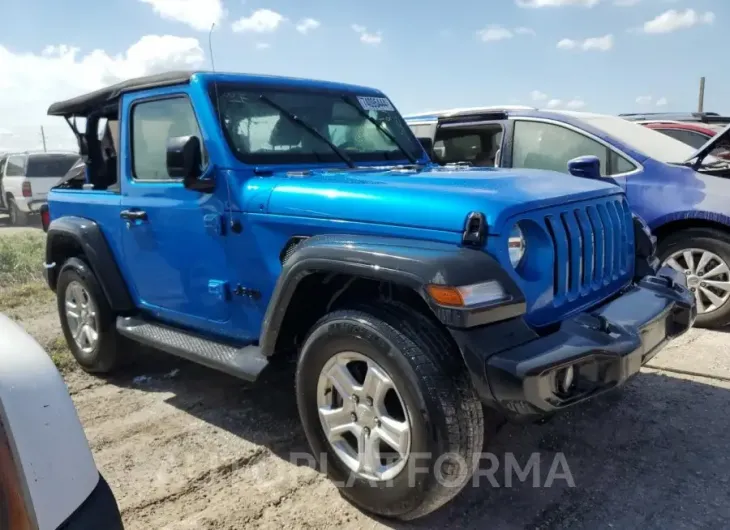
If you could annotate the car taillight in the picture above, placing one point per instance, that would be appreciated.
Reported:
(13, 510)
(45, 217)
(27, 190)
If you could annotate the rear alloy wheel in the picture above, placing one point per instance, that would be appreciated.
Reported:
(703, 256)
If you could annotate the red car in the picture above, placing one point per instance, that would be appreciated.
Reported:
(693, 129)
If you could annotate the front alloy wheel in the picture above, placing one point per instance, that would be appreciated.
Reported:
(363, 416)
(388, 408)
(708, 277)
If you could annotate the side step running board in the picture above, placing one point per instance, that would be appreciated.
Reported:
(245, 363)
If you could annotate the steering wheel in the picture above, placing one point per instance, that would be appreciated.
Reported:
(348, 145)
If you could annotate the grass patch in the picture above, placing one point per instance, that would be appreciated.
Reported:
(28, 294)
(21, 258)
(61, 355)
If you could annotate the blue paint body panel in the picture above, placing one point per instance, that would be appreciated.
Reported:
(183, 262)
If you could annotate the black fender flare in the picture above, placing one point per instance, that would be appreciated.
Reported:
(411, 263)
(88, 236)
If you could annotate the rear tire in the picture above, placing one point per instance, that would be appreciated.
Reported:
(17, 218)
(702, 242)
(440, 408)
(87, 321)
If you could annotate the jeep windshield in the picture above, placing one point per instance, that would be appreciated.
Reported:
(276, 126)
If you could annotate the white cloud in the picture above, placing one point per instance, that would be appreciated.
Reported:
(554, 103)
(603, 44)
(567, 44)
(525, 31)
(536, 95)
(661, 102)
(644, 100)
(367, 37)
(5, 132)
(260, 21)
(494, 33)
(673, 20)
(263, 45)
(32, 81)
(198, 14)
(306, 25)
(556, 3)
(575, 104)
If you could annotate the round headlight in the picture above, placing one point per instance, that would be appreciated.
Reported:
(516, 245)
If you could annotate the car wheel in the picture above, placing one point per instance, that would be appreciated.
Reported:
(87, 321)
(17, 218)
(703, 255)
(388, 409)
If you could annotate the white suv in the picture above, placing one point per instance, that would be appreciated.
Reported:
(25, 179)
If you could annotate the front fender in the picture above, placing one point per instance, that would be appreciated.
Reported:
(411, 263)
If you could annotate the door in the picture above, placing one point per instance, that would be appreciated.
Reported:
(174, 259)
(543, 145)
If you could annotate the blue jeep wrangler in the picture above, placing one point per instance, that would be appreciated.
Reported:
(236, 219)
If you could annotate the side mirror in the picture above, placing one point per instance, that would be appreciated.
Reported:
(588, 166)
(184, 161)
(427, 144)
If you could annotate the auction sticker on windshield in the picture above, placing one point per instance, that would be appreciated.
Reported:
(375, 103)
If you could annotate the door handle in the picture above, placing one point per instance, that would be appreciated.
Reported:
(133, 215)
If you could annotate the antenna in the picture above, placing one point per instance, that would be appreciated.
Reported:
(234, 224)
(210, 46)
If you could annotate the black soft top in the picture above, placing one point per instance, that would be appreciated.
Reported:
(84, 105)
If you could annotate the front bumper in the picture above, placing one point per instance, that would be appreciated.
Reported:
(520, 371)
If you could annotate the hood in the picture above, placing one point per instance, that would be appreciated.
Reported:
(698, 157)
(432, 198)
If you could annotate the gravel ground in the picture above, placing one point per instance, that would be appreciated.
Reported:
(184, 447)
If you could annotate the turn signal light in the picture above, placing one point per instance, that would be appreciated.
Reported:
(13, 511)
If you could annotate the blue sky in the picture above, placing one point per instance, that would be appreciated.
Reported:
(424, 55)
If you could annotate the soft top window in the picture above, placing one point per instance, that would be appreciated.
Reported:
(50, 165)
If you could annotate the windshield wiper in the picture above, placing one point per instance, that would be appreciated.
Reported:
(296, 119)
(379, 126)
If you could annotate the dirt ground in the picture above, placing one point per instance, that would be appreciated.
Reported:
(184, 447)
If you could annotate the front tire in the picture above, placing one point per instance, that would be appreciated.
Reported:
(413, 402)
(703, 254)
(87, 321)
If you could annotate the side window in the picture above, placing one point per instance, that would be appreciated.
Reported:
(690, 138)
(153, 123)
(16, 166)
(459, 148)
(538, 145)
(620, 165)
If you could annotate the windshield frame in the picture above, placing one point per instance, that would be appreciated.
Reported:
(216, 90)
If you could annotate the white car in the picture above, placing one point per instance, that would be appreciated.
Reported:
(48, 478)
(25, 179)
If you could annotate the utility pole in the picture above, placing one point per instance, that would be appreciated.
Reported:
(43, 135)
(701, 105)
